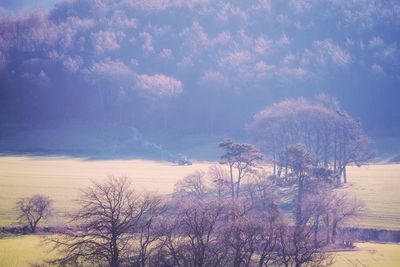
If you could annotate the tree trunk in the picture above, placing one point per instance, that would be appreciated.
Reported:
(33, 227)
(316, 228)
(238, 182)
(238, 188)
(344, 174)
(232, 183)
(115, 254)
(334, 232)
(335, 155)
(286, 170)
(328, 231)
(299, 201)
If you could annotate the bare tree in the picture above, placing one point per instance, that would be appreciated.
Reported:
(242, 236)
(243, 158)
(250, 236)
(351, 144)
(108, 216)
(191, 233)
(296, 248)
(147, 232)
(304, 244)
(34, 209)
(298, 163)
(261, 191)
(316, 204)
(344, 207)
(266, 249)
(220, 180)
(192, 185)
(325, 209)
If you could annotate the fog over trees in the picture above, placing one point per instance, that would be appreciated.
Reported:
(329, 133)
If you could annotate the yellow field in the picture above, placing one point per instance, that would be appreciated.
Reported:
(370, 254)
(61, 178)
(378, 186)
(20, 251)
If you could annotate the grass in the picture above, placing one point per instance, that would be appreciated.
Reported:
(378, 187)
(20, 251)
(369, 254)
(61, 179)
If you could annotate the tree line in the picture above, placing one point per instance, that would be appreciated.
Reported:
(236, 213)
(229, 216)
(335, 138)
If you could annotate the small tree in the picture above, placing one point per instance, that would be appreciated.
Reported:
(219, 180)
(191, 185)
(243, 158)
(296, 248)
(344, 206)
(191, 233)
(147, 231)
(261, 191)
(34, 209)
(250, 236)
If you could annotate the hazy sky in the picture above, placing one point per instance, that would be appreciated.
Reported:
(193, 65)
(18, 6)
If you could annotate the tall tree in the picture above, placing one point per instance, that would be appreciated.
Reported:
(240, 157)
(298, 163)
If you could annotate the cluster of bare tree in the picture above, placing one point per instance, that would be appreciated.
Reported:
(230, 216)
(333, 136)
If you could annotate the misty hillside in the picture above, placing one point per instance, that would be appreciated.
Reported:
(85, 77)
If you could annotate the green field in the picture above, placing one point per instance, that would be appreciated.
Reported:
(22, 250)
(61, 178)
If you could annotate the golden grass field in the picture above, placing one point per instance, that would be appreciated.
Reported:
(378, 186)
(61, 178)
(369, 254)
(20, 251)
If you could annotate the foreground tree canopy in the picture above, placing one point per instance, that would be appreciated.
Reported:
(333, 136)
(111, 215)
(202, 225)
